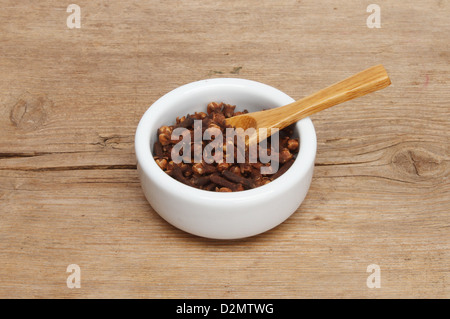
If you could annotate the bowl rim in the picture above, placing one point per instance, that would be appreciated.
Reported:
(305, 157)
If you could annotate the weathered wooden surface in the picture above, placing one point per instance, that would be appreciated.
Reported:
(70, 100)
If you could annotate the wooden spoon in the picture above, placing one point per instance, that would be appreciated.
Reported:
(362, 83)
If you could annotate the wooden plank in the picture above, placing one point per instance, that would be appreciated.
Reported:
(70, 101)
(100, 220)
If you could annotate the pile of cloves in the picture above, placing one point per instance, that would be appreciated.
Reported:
(224, 176)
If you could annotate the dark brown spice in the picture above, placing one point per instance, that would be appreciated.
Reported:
(220, 177)
(246, 182)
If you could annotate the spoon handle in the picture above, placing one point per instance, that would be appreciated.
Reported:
(362, 83)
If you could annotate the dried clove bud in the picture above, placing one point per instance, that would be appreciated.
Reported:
(285, 155)
(210, 187)
(157, 149)
(162, 163)
(228, 110)
(200, 180)
(214, 107)
(292, 144)
(246, 182)
(164, 139)
(225, 183)
(223, 166)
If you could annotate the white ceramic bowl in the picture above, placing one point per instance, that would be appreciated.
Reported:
(222, 215)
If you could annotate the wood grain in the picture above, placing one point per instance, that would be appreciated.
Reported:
(70, 101)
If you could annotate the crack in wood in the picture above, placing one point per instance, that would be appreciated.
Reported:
(9, 155)
(74, 168)
(367, 175)
(24, 154)
(345, 163)
(413, 162)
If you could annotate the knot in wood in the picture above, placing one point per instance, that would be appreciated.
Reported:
(417, 162)
(30, 111)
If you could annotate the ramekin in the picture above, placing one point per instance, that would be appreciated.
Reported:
(213, 214)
